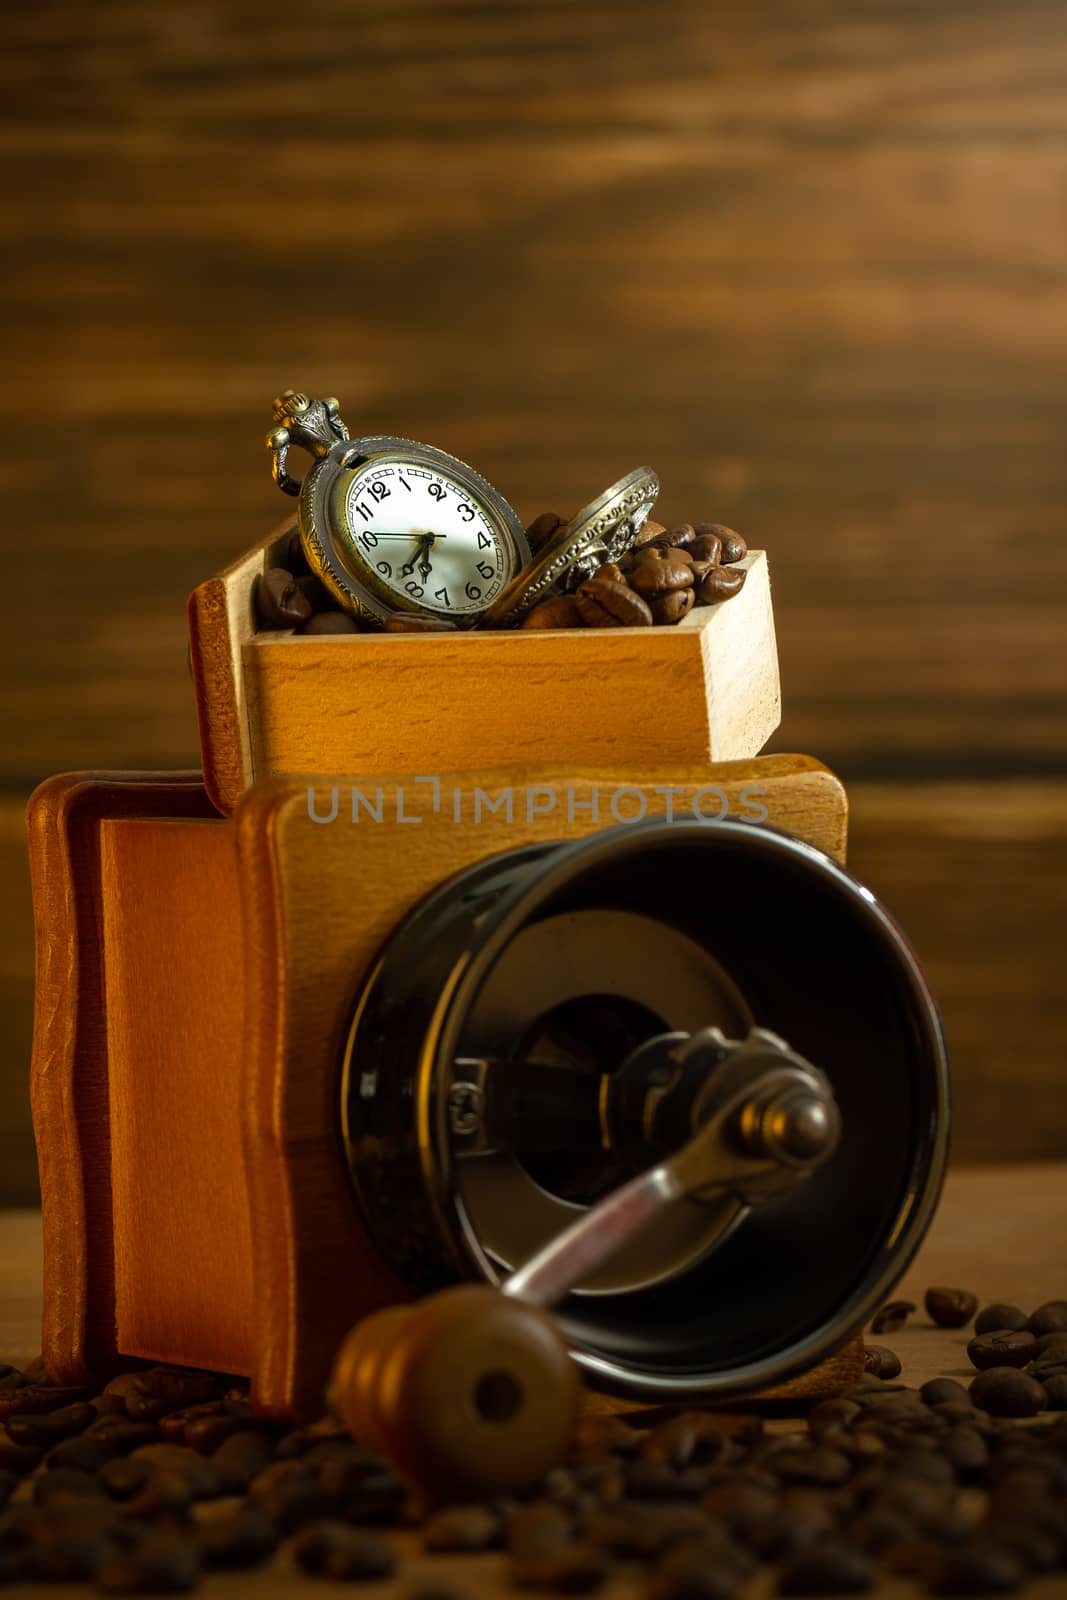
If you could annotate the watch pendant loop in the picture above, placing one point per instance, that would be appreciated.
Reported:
(315, 425)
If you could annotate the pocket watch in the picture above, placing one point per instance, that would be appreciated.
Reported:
(602, 531)
(390, 525)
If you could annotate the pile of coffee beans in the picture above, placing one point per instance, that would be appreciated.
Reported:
(667, 573)
(168, 1474)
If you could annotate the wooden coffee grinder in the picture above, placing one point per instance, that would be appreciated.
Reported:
(449, 948)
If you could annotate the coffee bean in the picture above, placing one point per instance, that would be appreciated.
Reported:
(363, 1492)
(124, 1477)
(403, 622)
(240, 1457)
(334, 1550)
(1049, 1318)
(558, 611)
(539, 1526)
(657, 1480)
(994, 1318)
(733, 546)
(64, 1483)
(315, 592)
(567, 1569)
(651, 578)
(119, 1431)
(160, 1390)
(968, 1452)
(1006, 1392)
(1056, 1392)
(11, 1377)
(939, 1390)
(543, 529)
(743, 1508)
(34, 1399)
(831, 1416)
(603, 604)
(719, 584)
(673, 552)
(829, 1568)
(161, 1564)
(820, 1467)
(880, 1362)
(706, 547)
(673, 607)
(329, 622)
(950, 1308)
(278, 601)
(18, 1458)
(462, 1528)
(654, 530)
(674, 1441)
(892, 1316)
(700, 1571)
(50, 1427)
(73, 1553)
(979, 1568)
(84, 1455)
(1000, 1349)
(1038, 1550)
(240, 1539)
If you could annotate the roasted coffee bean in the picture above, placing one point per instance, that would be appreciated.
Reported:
(71, 1554)
(719, 584)
(18, 1458)
(402, 622)
(651, 578)
(1055, 1391)
(239, 1539)
(968, 1452)
(733, 546)
(829, 1568)
(364, 1492)
(84, 1455)
(950, 1308)
(831, 1416)
(1038, 1550)
(994, 1318)
(558, 611)
(819, 1467)
(654, 530)
(172, 1427)
(204, 1477)
(673, 607)
(538, 1526)
(315, 592)
(162, 1563)
(880, 1362)
(121, 1432)
(124, 1477)
(543, 529)
(981, 1567)
(48, 1428)
(657, 1480)
(674, 1441)
(1006, 1392)
(611, 570)
(603, 604)
(278, 601)
(334, 1550)
(699, 1571)
(240, 1457)
(706, 547)
(743, 1508)
(35, 1399)
(11, 1377)
(293, 1505)
(65, 1483)
(1001, 1349)
(1049, 1318)
(576, 1568)
(330, 622)
(160, 1390)
(939, 1390)
(892, 1316)
(1051, 1344)
(462, 1528)
(674, 552)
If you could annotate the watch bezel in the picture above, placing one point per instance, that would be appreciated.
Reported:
(329, 540)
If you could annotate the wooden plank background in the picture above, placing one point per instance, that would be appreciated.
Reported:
(808, 260)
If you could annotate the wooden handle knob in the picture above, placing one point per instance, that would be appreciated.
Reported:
(468, 1393)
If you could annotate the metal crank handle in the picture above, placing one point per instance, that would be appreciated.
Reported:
(766, 1137)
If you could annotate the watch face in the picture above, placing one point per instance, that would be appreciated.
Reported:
(429, 540)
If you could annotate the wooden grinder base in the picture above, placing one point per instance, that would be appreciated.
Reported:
(194, 982)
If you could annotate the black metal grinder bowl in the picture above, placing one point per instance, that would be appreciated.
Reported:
(560, 1017)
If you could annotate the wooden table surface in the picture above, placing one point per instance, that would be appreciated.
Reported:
(998, 1231)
